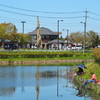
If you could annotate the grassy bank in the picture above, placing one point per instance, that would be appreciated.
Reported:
(44, 57)
(91, 67)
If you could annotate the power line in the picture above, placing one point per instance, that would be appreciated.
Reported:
(39, 11)
(47, 17)
(94, 13)
(94, 18)
(31, 22)
(39, 16)
(9, 18)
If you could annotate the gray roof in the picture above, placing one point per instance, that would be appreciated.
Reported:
(43, 31)
(32, 41)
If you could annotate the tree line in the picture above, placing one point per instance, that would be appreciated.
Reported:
(8, 31)
(92, 38)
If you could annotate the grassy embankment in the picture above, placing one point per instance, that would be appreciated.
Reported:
(72, 57)
(91, 67)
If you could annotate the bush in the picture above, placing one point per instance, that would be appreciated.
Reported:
(77, 54)
(4, 55)
(96, 54)
(39, 54)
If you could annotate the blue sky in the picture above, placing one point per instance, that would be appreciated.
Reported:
(72, 12)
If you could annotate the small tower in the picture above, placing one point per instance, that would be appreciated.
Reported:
(38, 36)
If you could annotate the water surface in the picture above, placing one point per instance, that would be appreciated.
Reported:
(38, 83)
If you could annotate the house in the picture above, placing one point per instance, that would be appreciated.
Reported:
(46, 35)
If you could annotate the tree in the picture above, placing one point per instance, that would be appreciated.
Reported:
(61, 38)
(76, 37)
(5, 29)
(14, 36)
(96, 41)
(24, 38)
(92, 38)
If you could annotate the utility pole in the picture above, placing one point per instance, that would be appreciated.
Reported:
(85, 29)
(23, 25)
(67, 36)
(84, 40)
(58, 31)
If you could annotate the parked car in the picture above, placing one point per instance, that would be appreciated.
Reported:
(99, 46)
(33, 47)
(77, 47)
(68, 48)
(10, 46)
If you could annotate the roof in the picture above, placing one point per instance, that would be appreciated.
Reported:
(58, 32)
(32, 41)
(43, 31)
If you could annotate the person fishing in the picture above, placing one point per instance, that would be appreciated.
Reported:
(93, 79)
(80, 71)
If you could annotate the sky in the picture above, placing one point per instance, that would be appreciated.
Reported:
(72, 12)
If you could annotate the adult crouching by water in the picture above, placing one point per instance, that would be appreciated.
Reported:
(93, 79)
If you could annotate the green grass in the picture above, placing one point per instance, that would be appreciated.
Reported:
(91, 67)
(46, 58)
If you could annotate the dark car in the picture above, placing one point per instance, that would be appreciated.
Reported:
(10, 47)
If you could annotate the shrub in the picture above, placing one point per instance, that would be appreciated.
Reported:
(96, 54)
(77, 54)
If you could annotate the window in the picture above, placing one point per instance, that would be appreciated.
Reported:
(34, 37)
(43, 37)
(47, 37)
(53, 37)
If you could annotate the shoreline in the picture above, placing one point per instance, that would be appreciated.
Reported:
(37, 62)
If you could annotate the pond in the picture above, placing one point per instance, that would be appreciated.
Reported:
(38, 83)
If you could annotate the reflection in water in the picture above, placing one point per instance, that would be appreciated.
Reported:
(7, 91)
(22, 76)
(81, 92)
(44, 74)
(5, 73)
(57, 80)
(86, 93)
(37, 91)
(36, 79)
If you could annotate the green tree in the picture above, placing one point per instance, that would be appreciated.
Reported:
(5, 29)
(14, 36)
(61, 38)
(92, 38)
(76, 37)
(96, 41)
(24, 38)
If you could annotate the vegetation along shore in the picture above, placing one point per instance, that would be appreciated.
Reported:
(44, 57)
(90, 59)
(94, 67)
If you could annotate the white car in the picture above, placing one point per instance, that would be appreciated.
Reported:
(33, 47)
(69, 48)
(99, 46)
(77, 47)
